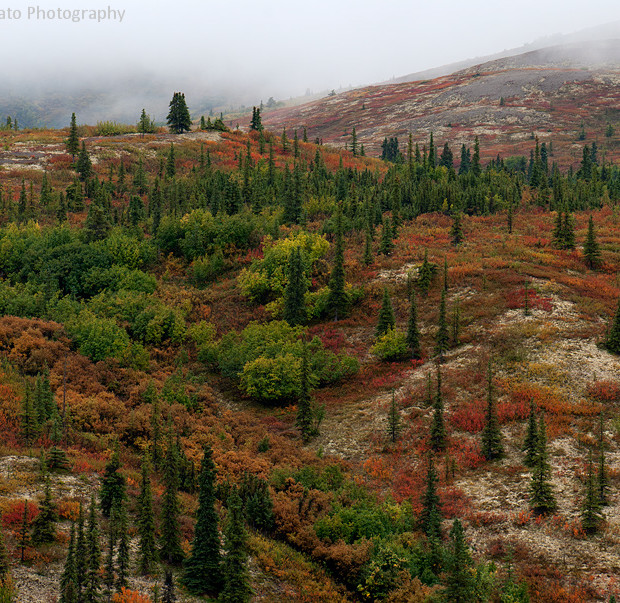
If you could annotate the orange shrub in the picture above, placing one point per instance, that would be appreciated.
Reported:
(129, 596)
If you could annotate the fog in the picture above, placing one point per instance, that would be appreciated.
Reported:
(241, 52)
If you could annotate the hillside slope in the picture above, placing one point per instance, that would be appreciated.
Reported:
(504, 102)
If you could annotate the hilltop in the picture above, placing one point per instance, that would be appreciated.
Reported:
(561, 95)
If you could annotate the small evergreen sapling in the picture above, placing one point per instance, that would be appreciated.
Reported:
(393, 419)
(386, 315)
(542, 500)
(591, 516)
(492, 447)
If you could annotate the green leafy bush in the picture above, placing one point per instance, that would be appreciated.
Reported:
(391, 346)
(254, 357)
(267, 277)
(98, 338)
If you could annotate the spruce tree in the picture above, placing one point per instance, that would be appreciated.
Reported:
(68, 579)
(112, 483)
(602, 478)
(305, 413)
(542, 500)
(235, 571)
(29, 422)
(492, 447)
(438, 427)
(168, 594)
(338, 301)
(80, 552)
(92, 578)
(456, 231)
(147, 548)
(612, 342)
(430, 518)
(413, 333)
(591, 516)
(526, 300)
(171, 166)
(122, 557)
(145, 124)
(530, 442)
(568, 232)
(178, 119)
(170, 540)
(44, 524)
(108, 569)
(84, 166)
(460, 584)
(202, 569)
(73, 141)
(455, 330)
(442, 340)
(4, 557)
(24, 533)
(367, 259)
(393, 420)
(386, 245)
(591, 252)
(296, 287)
(425, 274)
(386, 315)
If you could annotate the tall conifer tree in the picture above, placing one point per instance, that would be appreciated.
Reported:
(202, 569)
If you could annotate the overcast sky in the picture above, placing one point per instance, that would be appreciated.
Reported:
(282, 45)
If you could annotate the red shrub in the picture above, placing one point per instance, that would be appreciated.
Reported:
(604, 391)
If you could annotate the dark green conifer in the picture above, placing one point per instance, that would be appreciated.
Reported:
(81, 552)
(492, 447)
(442, 340)
(591, 516)
(84, 166)
(92, 578)
(97, 224)
(24, 533)
(168, 594)
(171, 166)
(393, 419)
(68, 579)
(202, 569)
(602, 477)
(235, 571)
(612, 342)
(254, 492)
(122, 556)
(456, 231)
(29, 423)
(530, 442)
(44, 524)
(386, 246)
(178, 119)
(456, 325)
(295, 292)
(425, 274)
(170, 541)
(338, 300)
(112, 483)
(430, 519)
(305, 414)
(147, 548)
(413, 333)
(386, 315)
(438, 426)
(591, 252)
(73, 141)
(460, 586)
(542, 500)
